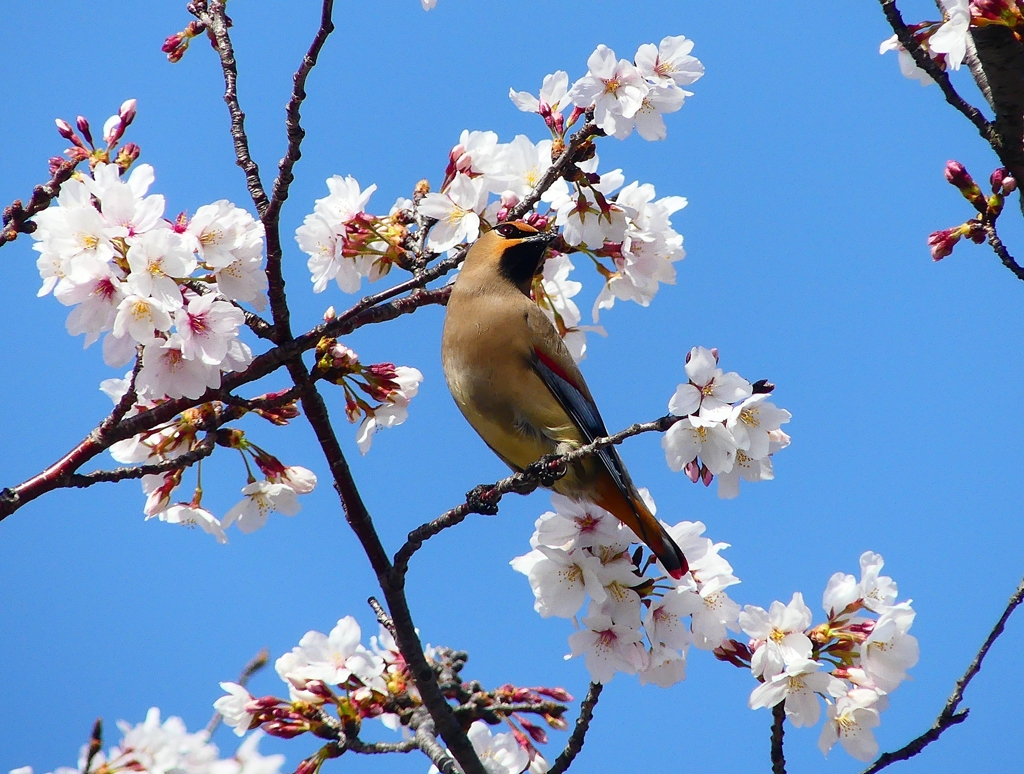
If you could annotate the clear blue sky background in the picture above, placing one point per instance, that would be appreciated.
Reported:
(814, 174)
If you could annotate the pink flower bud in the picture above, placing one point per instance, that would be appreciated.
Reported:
(65, 131)
(692, 471)
(958, 176)
(942, 242)
(55, 163)
(83, 127)
(284, 730)
(172, 42)
(1009, 185)
(264, 702)
(536, 733)
(558, 694)
(127, 111)
(308, 766)
(706, 475)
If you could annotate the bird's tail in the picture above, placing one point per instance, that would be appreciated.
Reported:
(634, 513)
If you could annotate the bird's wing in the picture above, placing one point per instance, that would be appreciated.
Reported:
(559, 372)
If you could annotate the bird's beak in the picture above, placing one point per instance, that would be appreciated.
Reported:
(541, 238)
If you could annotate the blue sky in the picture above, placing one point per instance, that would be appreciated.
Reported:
(814, 175)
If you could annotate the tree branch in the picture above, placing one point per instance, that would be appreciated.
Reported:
(214, 16)
(485, 498)
(579, 733)
(949, 715)
(930, 66)
(778, 734)
(391, 583)
(102, 438)
(16, 216)
(271, 216)
(1000, 249)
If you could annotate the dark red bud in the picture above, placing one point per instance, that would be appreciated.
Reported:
(558, 694)
(83, 127)
(706, 475)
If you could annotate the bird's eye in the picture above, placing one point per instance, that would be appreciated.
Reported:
(508, 230)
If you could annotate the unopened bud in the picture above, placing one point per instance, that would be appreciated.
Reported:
(285, 730)
(127, 156)
(127, 111)
(175, 55)
(83, 127)
(706, 476)
(330, 314)
(557, 723)
(692, 471)
(958, 176)
(55, 163)
(65, 131)
(558, 694)
(172, 42)
(536, 733)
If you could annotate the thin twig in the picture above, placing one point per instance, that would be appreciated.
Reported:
(949, 715)
(778, 734)
(271, 216)
(1000, 249)
(256, 663)
(382, 615)
(215, 18)
(55, 476)
(485, 498)
(588, 131)
(16, 216)
(201, 451)
(377, 748)
(579, 733)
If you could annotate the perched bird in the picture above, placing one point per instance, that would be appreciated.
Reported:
(516, 383)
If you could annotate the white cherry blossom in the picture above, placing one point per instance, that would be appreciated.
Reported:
(951, 38)
(499, 753)
(553, 95)
(608, 648)
(798, 686)
(261, 497)
(780, 635)
(850, 721)
(235, 707)
(669, 62)
(614, 87)
(456, 213)
(395, 411)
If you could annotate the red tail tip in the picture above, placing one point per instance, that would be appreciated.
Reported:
(678, 574)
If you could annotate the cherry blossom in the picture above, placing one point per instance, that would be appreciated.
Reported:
(456, 213)
(798, 686)
(553, 96)
(614, 88)
(395, 410)
(850, 721)
(261, 497)
(499, 753)
(951, 38)
(608, 648)
(669, 62)
(780, 635)
(235, 708)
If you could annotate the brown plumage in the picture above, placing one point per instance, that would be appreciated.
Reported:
(518, 386)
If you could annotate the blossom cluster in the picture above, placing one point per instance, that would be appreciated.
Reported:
(335, 683)
(729, 430)
(277, 491)
(155, 747)
(625, 230)
(169, 287)
(854, 660)
(389, 386)
(946, 41)
(942, 242)
(635, 623)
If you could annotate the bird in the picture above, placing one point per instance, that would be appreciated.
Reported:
(515, 382)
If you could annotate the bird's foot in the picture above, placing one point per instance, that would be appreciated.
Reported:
(483, 499)
(547, 470)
